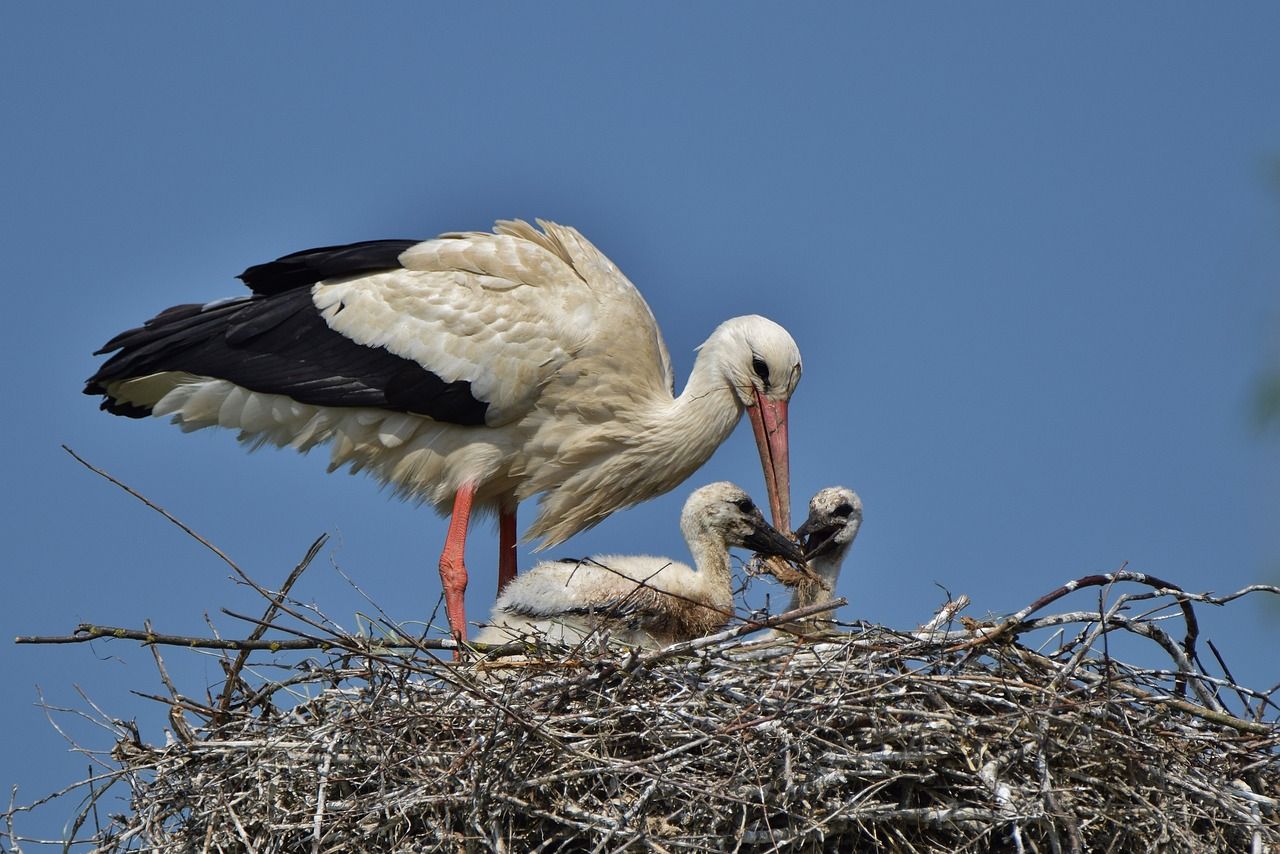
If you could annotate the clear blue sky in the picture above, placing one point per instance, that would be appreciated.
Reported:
(1030, 254)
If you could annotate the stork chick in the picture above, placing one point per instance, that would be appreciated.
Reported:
(641, 600)
(835, 515)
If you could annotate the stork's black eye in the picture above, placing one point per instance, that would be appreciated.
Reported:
(761, 369)
(746, 505)
(843, 509)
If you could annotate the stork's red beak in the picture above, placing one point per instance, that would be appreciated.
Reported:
(769, 421)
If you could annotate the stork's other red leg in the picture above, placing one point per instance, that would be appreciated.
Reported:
(453, 571)
(506, 547)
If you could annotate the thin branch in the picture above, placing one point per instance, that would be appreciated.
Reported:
(156, 507)
(89, 632)
(942, 616)
(1012, 624)
(86, 632)
(1217, 717)
(233, 673)
(1213, 648)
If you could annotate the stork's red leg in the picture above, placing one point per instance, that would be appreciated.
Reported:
(453, 572)
(506, 547)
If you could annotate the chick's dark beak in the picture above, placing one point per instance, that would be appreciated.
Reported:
(818, 538)
(765, 540)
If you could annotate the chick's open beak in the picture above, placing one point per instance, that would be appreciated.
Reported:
(818, 538)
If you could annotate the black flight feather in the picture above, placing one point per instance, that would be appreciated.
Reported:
(279, 343)
(309, 266)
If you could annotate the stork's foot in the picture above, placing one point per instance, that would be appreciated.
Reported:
(453, 578)
(453, 571)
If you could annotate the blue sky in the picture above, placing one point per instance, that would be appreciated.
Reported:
(1030, 254)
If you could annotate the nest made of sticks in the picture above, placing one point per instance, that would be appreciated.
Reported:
(949, 738)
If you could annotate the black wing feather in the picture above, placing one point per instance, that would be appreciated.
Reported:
(309, 266)
(280, 344)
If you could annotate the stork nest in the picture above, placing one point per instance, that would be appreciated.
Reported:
(945, 739)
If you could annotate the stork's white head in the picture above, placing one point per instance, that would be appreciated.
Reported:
(724, 514)
(761, 363)
(835, 515)
(757, 357)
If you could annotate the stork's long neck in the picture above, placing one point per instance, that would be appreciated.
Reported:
(827, 569)
(686, 430)
(656, 444)
(715, 575)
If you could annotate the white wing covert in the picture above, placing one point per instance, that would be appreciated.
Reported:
(501, 313)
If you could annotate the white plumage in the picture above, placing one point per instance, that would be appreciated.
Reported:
(474, 370)
(640, 600)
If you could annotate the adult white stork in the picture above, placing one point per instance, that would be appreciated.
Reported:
(640, 600)
(471, 371)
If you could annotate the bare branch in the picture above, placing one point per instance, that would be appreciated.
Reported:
(156, 507)
(233, 672)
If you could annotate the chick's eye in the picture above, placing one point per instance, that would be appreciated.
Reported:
(843, 510)
(761, 369)
(745, 505)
